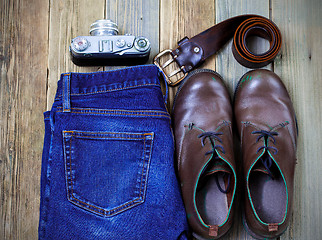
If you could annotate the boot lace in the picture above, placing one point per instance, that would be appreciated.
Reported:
(214, 136)
(266, 159)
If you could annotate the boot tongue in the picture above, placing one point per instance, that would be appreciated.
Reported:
(216, 166)
(265, 166)
(220, 171)
(260, 168)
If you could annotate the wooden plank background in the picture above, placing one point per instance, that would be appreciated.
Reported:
(34, 40)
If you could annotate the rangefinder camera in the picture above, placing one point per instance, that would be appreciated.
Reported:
(105, 47)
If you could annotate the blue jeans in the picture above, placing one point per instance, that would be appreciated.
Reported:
(108, 166)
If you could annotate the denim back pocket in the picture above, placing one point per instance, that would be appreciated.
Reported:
(106, 172)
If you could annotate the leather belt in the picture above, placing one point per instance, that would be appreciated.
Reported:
(192, 52)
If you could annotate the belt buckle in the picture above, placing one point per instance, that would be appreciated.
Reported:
(168, 77)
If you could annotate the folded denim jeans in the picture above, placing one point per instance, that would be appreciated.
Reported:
(108, 160)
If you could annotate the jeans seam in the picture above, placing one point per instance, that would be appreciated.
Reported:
(111, 90)
(144, 154)
(118, 114)
(117, 110)
(44, 207)
(72, 133)
(116, 70)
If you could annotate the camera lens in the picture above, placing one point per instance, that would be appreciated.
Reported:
(103, 27)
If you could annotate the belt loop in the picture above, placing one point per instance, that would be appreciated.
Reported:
(162, 76)
(166, 92)
(66, 92)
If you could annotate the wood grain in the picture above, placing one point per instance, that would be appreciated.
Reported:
(34, 40)
(68, 19)
(226, 65)
(136, 17)
(299, 68)
(180, 18)
(23, 65)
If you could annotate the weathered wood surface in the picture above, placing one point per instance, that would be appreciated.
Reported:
(180, 18)
(299, 66)
(137, 17)
(23, 87)
(34, 40)
(68, 19)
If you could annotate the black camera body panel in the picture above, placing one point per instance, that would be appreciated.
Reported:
(110, 61)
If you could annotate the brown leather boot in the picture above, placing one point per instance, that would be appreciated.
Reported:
(267, 128)
(202, 116)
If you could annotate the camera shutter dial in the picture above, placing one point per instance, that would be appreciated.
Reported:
(80, 44)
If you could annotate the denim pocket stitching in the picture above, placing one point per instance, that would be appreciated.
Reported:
(103, 211)
(72, 134)
(144, 173)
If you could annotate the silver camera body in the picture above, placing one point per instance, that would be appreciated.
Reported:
(105, 47)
